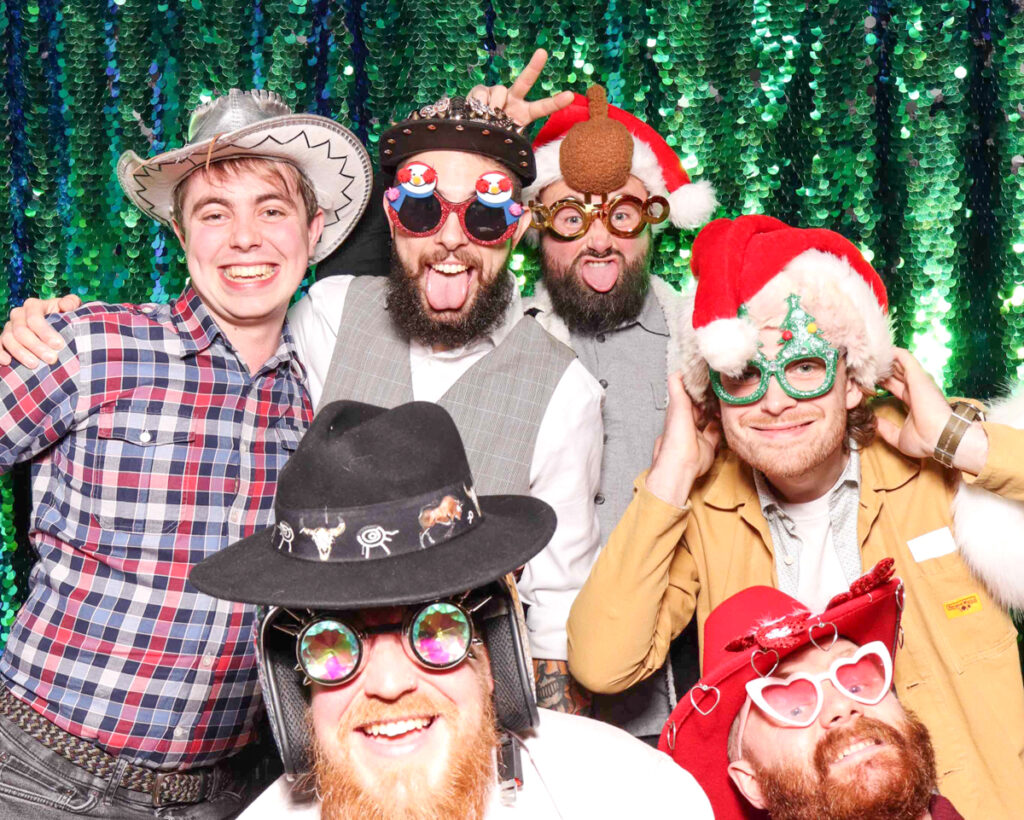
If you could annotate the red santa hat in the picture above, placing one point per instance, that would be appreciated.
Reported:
(755, 263)
(654, 163)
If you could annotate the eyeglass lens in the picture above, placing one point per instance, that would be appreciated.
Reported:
(439, 636)
(863, 680)
(802, 375)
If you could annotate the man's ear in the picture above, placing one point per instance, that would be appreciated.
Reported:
(522, 227)
(854, 392)
(742, 774)
(316, 229)
(391, 225)
(178, 232)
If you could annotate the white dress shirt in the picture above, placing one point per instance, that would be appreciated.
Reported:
(564, 471)
(574, 768)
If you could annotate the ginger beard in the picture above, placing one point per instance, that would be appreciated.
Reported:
(893, 784)
(586, 303)
(455, 785)
(438, 310)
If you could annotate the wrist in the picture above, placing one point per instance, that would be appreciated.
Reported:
(671, 484)
(963, 416)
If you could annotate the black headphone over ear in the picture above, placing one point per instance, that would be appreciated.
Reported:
(500, 624)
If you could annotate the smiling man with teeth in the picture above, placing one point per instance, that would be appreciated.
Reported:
(447, 325)
(157, 433)
(795, 713)
(398, 684)
(774, 469)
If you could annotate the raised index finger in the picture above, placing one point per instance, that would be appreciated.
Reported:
(528, 76)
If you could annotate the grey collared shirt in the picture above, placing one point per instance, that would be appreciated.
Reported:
(843, 502)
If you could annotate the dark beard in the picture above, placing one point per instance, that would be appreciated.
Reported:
(587, 312)
(904, 794)
(405, 304)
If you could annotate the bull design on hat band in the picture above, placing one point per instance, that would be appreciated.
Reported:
(379, 530)
(805, 366)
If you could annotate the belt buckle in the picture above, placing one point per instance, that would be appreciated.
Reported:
(159, 778)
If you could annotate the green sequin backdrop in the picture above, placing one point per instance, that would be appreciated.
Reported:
(898, 124)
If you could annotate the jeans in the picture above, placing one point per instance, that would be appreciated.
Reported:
(38, 784)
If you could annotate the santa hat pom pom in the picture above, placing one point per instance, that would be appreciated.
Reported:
(728, 344)
(691, 205)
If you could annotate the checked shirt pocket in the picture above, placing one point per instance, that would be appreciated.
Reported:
(137, 463)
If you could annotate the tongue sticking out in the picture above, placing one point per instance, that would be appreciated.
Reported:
(601, 277)
(446, 291)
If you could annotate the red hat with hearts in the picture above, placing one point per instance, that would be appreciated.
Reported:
(747, 636)
(746, 268)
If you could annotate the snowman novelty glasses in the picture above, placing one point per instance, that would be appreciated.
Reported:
(415, 207)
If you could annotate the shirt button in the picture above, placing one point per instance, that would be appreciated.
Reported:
(180, 732)
(600, 337)
(789, 560)
(207, 661)
(145, 435)
(235, 517)
(599, 499)
(603, 382)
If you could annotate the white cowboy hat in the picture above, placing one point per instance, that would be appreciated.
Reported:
(260, 124)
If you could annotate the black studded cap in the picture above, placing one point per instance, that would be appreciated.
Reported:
(459, 124)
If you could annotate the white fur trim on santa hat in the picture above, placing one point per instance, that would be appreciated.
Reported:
(844, 306)
(549, 169)
(838, 297)
(690, 205)
(987, 526)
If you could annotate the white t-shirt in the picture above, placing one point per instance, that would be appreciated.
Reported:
(564, 471)
(573, 767)
(821, 576)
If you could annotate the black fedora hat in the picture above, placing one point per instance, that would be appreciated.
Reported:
(377, 508)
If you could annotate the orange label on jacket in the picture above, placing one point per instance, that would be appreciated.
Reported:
(962, 606)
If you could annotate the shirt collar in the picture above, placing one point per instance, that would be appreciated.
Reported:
(195, 326)
(849, 478)
(513, 314)
(197, 330)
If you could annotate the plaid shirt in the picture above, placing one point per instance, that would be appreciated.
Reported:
(154, 447)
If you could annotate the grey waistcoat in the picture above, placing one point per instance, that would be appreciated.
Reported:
(497, 404)
(630, 364)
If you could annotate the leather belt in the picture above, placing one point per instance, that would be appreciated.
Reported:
(166, 788)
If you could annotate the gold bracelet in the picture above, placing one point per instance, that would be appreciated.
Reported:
(964, 413)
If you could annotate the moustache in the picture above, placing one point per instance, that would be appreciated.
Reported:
(464, 256)
(865, 729)
(608, 253)
(780, 421)
(367, 711)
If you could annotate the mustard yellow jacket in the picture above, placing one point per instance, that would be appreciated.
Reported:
(958, 668)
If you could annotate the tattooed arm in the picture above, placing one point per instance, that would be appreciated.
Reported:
(557, 690)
